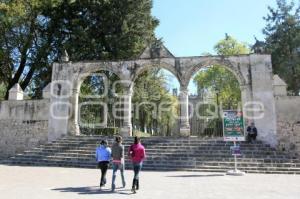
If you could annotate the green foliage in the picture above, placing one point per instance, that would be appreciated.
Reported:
(230, 46)
(140, 133)
(109, 131)
(149, 93)
(34, 33)
(93, 90)
(219, 80)
(149, 89)
(25, 45)
(283, 42)
(102, 29)
(2, 91)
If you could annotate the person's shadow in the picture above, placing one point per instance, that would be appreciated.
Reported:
(93, 190)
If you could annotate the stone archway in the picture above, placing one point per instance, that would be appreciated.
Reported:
(164, 69)
(202, 124)
(254, 73)
(74, 123)
(234, 69)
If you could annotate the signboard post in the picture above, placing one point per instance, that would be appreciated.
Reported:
(233, 130)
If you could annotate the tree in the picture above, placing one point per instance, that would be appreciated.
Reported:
(149, 92)
(2, 91)
(230, 46)
(283, 42)
(34, 34)
(222, 82)
(93, 86)
(218, 79)
(26, 39)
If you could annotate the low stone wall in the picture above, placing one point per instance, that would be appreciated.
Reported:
(23, 125)
(288, 123)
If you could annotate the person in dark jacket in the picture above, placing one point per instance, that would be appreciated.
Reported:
(103, 155)
(118, 161)
(137, 154)
(251, 133)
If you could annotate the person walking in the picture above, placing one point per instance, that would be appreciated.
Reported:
(118, 161)
(137, 154)
(103, 155)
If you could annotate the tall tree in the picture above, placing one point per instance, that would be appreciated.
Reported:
(230, 46)
(26, 39)
(149, 93)
(283, 42)
(219, 80)
(33, 34)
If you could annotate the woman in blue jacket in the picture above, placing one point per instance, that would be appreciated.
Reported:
(103, 155)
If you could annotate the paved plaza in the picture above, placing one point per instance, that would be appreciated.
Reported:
(56, 183)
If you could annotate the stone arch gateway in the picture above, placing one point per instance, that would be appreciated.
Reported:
(253, 72)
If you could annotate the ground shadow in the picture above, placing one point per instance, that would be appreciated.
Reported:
(193, 176)
(93, 190)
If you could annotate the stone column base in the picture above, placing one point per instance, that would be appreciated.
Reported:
(74, 129)
(185, 131)
(126, 131)
(77, 129)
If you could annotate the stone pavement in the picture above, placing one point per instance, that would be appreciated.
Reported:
(57, 183)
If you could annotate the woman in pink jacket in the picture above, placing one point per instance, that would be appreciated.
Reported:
(137, 155)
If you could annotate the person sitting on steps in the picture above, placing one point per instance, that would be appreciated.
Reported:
(252, 133)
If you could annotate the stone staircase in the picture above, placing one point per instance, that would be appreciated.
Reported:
(164, 154)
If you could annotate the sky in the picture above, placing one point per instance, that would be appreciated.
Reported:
(193, 27)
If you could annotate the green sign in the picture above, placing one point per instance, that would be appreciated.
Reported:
(233, 126)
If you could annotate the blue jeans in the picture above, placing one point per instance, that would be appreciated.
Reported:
(115, 167)
(136, 169)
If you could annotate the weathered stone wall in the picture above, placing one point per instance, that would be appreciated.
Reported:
(288, 123)
(23, 125)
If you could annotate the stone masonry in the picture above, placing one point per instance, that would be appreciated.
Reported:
(288, 123)
(23, 125)
(288, 118)
(253, 72)
(27, 123)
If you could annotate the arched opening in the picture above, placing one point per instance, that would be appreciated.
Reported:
(97, 101)
(212, 89)
(155, 103)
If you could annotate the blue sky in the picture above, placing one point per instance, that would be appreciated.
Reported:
(193, 27)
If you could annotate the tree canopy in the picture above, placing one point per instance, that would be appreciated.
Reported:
(230, 46)
(219, 80)
(283, 42)
(150, 91)
(33, 34)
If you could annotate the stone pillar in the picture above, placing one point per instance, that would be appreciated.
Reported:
(280, 87)
(74, 123)
(246, 98)
(263, 98)
(184, 129)
(47, 92)
(60, 106)
(16, 93)
(126, 129)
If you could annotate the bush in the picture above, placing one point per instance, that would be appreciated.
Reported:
(140, 134)
(109, 131)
